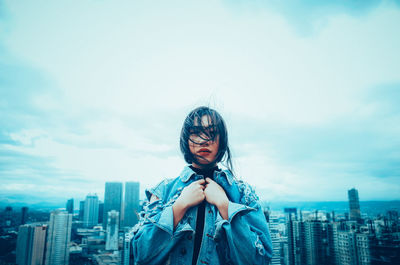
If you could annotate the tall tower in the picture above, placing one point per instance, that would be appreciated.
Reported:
(131, 203)
(276, 239)
(347, 248)
(315, 242)
(58, 238)
(24, 215)
(81, 210)
(332, 229)
(70, 206)
(126, 255)
(8, 213)
(31, 244)
(101, 211)
(112, 230)
(91, 212)
(112, 200)
(291, 218)
(354, 204)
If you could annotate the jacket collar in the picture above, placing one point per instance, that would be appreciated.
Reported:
(187, 173)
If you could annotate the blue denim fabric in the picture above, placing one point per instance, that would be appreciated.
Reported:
(242, 239)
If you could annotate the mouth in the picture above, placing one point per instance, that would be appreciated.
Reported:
(204, 151)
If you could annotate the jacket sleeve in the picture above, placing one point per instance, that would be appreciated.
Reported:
(154, 235)
(244, 238)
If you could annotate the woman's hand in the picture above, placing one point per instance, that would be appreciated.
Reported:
(216, 195)
(191, 195)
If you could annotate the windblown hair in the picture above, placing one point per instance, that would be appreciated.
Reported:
(193, 124)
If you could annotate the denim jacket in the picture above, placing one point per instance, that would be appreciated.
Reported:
(242, 239)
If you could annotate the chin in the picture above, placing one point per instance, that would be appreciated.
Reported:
(207, 164)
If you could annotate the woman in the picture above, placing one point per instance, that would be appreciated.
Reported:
(206, 215)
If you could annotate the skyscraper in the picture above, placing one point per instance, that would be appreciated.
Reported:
(315, 242)
(112, 200)
(8, 213)
(58, 238)
(276, 239)
(81, 209)
(347, 248)
(354, 205)
(363, 248)
(70, 206)
(101, 211)
(31, 244)
(300, 248)
(112, 230)
(332, 243)
(291, 218)
(126, 255)
(24, 215)
(131, 203)
(91, 212)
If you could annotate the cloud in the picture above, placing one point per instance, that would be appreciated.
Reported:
(309, 17)
(19, 83)
(103, 96)
(359, 148)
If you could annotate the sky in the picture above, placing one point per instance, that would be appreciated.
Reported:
(96, 91)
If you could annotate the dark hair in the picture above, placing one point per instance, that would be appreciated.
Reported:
(219, 128)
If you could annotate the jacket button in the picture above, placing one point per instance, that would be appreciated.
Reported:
(190, 237)
(183, 251)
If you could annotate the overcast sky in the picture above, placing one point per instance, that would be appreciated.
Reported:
(95, 91)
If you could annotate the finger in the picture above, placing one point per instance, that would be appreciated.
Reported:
(200, 181)
(209, 180)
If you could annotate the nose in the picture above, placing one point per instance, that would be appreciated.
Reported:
(201, 139)
(205, 143)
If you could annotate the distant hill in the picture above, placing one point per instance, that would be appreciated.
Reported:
(368, 207)
(33, 202)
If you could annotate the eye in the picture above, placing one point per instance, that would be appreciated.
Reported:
(194, 131)
(211, 133)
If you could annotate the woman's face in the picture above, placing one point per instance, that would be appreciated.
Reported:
(203, 143)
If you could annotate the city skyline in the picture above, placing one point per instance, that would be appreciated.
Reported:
(309, 92)
(298, 237)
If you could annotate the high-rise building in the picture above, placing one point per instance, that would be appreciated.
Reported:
(126, 255)
(276, 239)
(70, 206)
(300, 250)
(285, 250)
(112, 200)
(332, 243)
(8, 213)
(363, 248)
(91, 212)
(81, 210)
(101, 212)
(24, 215)
(291, 217)
(347, 248)
(354, 205)
(31, 244)
(131, 203)
(315, 242)
(58, 238)
(385, 249)
(112, 230)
